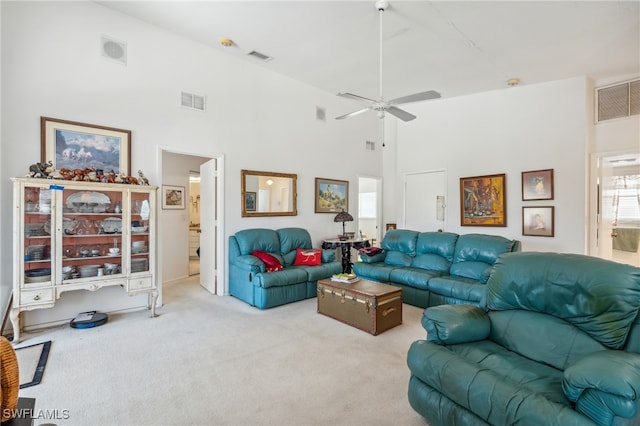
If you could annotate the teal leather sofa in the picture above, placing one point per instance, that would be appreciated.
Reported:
(558, 344)
(249, 279)
(435, 268)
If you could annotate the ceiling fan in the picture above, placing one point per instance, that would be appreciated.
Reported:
(381, 106)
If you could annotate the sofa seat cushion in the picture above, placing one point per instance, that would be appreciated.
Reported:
(413, 277)
(498, 385)
(458, 288)
(285, 277)
(373, 271)
(320, 272)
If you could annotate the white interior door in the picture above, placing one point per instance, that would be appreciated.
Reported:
(424, 201)
(369, 209)
(208, 226)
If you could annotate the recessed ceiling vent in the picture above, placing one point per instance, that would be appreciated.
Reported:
(193, 101)
(260, 56)
(618, 101)
(114, 50)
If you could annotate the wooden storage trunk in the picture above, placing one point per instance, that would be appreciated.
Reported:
(369, 306)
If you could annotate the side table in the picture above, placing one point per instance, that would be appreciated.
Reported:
(345, 249)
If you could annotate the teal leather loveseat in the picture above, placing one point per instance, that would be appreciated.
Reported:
(251, 281)
(557, 345)
(435, 268)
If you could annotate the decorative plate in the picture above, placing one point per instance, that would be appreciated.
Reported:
(111, 225)
(69, 226)
(87, 197)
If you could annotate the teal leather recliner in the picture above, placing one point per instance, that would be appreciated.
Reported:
(558, 344)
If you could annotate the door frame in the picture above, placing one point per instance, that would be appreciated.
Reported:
(220, 246)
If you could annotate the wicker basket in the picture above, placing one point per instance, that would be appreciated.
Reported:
(9, 380)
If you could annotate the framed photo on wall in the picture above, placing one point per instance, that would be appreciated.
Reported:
(250, 201)
(537, 185)
(483, 201)
(332, 196)
(73, 145)
(538, 221)
(173, 197)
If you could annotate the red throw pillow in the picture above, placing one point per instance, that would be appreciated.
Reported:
(272, 262)
(308, 257)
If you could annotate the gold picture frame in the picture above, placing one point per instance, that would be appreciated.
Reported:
(483, 200)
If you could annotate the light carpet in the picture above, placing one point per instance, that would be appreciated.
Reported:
(212, 360)
(32, 360)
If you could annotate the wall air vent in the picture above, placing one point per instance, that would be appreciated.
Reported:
(370, 146)
(114, 50)
(193, 101)
(618, 101)
(260, 56)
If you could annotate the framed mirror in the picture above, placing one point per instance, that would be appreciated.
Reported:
(268, 194)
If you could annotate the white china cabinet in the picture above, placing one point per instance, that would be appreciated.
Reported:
(80, 236)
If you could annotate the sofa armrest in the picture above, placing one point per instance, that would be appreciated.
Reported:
(328, 255)
(250, 263)
(604, 384)
(452, 324)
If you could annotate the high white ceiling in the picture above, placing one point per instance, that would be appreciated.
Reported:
(454, 47)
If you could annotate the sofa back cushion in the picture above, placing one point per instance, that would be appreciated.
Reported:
(440, 243)
(401, 240)
(250, 240)
(597, 296)
(293, 238)
(558, 343)
(431, 262)
(476, 253)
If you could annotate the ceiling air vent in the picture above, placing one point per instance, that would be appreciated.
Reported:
(618, 101)
(114, 50)
(193, 101)
(260, 56)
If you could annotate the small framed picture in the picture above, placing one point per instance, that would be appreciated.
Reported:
(250, 201)
(173, 197)
(538, 221)
(537, 185)
(390, 227)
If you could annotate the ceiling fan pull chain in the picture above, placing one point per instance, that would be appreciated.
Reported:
(380, 12)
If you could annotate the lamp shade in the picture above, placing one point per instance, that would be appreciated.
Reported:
(343, 217)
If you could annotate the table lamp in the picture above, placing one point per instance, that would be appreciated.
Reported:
(343, 217)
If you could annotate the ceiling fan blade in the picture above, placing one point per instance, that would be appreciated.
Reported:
(400, 113)
(356, 97)
(351, 114)
(423, 96)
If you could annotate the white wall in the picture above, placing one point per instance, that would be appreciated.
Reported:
(509, 131)
(52, 66)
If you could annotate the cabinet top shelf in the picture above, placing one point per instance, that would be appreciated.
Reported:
(61, 184)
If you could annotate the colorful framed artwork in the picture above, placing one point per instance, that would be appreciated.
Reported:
(390, 227)
(538, 221)
(73, 145)
(173, 197)
(537, 185)
(483, 201)
(332, 196)
(250, 201)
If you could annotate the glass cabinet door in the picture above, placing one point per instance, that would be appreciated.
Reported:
(38, 235)
(140, 207)
(91, 233)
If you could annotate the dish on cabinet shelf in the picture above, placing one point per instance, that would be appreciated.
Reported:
(87, 201)
(111, 225)
(139, 229)
(69, 226)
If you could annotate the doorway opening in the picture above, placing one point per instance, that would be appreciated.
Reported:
(194, 222)
(369, 209)
(615, 211)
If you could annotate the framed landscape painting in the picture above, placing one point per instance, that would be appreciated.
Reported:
(332, 196)
(537, 185)
(250, 201)
(483, 201)
(73, 145)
